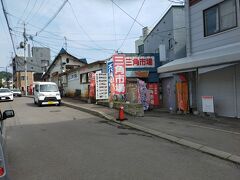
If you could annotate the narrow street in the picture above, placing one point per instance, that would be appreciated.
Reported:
(62, 143)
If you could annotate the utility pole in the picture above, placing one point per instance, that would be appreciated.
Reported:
(25, 60)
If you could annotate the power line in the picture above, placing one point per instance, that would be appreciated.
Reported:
(82, 27)
(9, 29)
(39, 7)
(132, 25)
(127, 13)
(23, 12)
(31, 10)
(53, 17)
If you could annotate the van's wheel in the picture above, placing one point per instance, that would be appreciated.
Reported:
(39, 103)
(59, 103)
(35, 102)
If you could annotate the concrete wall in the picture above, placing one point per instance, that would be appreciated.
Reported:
(198, 41)
(222, 85)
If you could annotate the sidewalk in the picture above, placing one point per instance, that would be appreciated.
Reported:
(216, 136)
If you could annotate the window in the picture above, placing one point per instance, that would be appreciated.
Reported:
(84, 78)
(220, 17)
(170, 43)
(141, 49)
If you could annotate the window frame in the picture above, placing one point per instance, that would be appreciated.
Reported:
(219, 17)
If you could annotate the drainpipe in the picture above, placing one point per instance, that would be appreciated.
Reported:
(188, 30)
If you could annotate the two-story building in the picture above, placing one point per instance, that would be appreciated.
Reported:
(168, 38)
(210, 74)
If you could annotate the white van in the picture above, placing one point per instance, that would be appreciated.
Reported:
(46, 93)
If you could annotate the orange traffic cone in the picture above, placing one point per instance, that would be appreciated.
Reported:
(121, 116)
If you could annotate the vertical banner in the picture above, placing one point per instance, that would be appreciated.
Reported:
(143, 95)
(182, 96)
(110, 75)
(154, 93)
(119, 74)
(92, 85)
(101, 85)
(111, 84)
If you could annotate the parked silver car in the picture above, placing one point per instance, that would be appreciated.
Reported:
(3, 168)
(16, 92)
(6, 94)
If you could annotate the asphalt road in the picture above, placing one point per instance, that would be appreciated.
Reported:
(54, 143)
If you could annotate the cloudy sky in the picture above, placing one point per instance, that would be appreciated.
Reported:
(94, 29)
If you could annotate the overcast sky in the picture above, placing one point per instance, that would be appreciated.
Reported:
(93, 28)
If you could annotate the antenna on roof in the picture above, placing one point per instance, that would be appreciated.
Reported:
(65, 43)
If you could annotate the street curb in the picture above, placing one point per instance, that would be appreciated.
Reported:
(199, 147)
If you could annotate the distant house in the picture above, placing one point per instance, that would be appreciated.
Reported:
(62, 63)
(210, 73)
(78, 80)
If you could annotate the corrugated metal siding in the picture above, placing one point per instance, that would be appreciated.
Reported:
(219, 84)
(198, 41)
(238, 89)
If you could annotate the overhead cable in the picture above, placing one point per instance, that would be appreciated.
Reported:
(53, 17)
(88, 36)
(132, 25)
(126, 13)
(9, 29)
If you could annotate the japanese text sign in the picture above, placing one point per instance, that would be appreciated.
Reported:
(140, 62)
(119, 74)
(101, 85)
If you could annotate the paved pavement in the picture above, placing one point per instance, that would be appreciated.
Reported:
(55, 143)
(216, 136)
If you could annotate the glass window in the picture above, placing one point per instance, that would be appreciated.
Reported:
(228, 15)
(220, 17)
(48, 88)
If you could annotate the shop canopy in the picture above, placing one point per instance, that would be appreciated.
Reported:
(217, 56)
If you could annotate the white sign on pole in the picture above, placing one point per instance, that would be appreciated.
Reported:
(207, 104)
(101, 86)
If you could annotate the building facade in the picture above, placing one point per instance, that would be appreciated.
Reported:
(212, 68)
(62, 63)
(78, 80)
(35, 63)
(168, 39)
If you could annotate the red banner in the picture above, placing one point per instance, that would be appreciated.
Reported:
(92, 85)
(154, 93)
(119, 74)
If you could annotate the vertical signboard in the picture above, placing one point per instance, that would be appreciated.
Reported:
(110, 76)
(101, 80)
(119, 74)
(207, 104)
(92, 84)
(154, 95)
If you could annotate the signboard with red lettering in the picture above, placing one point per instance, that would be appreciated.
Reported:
(119, 74)
(140, 62)
(207, 104)
(154, 93)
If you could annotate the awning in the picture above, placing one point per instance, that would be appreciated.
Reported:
(213, 68)
(217, 56)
